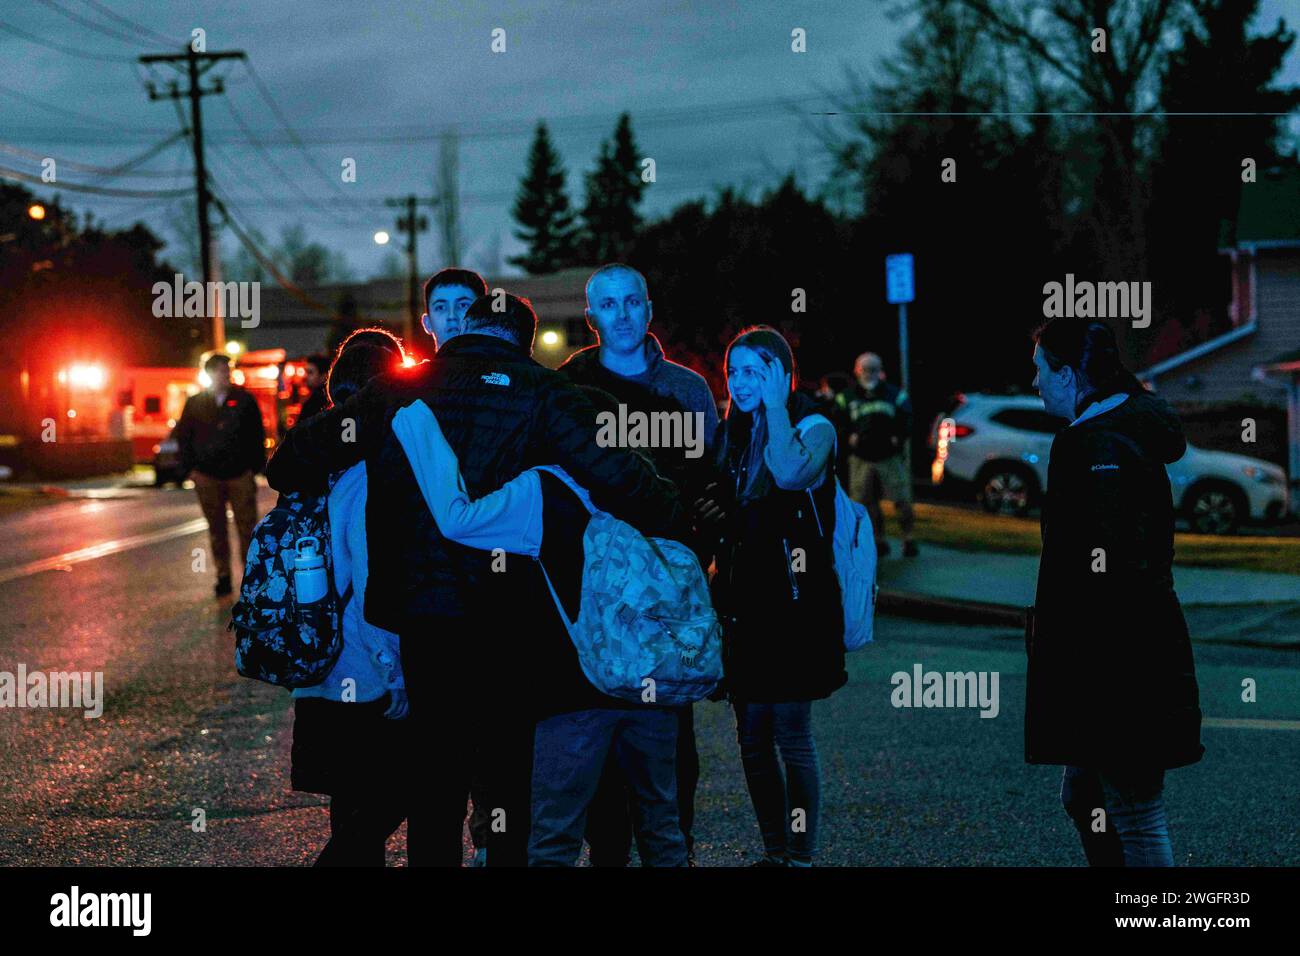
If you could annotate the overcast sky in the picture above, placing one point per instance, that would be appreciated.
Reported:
(709, 86)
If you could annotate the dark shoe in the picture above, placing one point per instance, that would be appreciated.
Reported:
(910, 550)
(882, 549)
(223, 587)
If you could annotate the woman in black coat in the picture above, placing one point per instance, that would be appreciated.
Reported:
(1111, 690)
(775, 587)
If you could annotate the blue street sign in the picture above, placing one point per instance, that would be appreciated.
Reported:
(900, 287)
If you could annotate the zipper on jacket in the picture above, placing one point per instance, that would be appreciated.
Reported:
(789, 568)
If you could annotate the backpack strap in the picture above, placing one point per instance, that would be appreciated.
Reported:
(803, 425)
(345, 598)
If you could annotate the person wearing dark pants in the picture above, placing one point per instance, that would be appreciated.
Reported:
(565, 778)
(221, 441)
(360, 826)
(609, 827)
(762, 730)
(440, 777)
(782, 618)
(1111, 691)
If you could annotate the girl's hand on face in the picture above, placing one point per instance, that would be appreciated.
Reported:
(774, 385)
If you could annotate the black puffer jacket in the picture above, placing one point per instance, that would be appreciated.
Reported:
(783, 629)
(1111, 680)
(501, 413)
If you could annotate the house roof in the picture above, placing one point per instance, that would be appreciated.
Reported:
(1269, 213)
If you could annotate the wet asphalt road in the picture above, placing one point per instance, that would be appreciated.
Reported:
(181, 732)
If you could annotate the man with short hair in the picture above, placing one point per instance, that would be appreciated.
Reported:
(629, 363)
(876, 417)
(459, 611)
(448, 294)
(222, 444)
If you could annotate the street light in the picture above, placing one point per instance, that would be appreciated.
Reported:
(381, 238)
(233, 348)
(551, 338)
(36, 211)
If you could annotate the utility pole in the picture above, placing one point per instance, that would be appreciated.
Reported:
(196, 64)
(411, 223)
(448, 187)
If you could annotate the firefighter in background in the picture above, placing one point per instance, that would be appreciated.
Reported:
(876, 419)
(222, 445)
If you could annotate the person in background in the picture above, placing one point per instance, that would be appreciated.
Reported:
(349, 731)
(775, 590)
(876, 419)
(629, 363)
(222, 445)
(314, 371)
(448, 294)
(1111, 689)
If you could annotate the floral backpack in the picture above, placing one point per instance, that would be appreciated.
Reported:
(276, 639)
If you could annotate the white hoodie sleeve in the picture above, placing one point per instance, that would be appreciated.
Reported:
(509, 518)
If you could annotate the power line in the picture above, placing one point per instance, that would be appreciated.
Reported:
(85, 118)
(285, 177)
(122, 169)
(128, 22)
(71, 51)
(269, 264)
(87, 22)
(20, 176)
(288, 127)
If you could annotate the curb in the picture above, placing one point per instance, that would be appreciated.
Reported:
(927, 607)
(949, 610)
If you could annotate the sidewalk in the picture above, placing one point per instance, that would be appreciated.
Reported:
(125, 485)
(983, 587)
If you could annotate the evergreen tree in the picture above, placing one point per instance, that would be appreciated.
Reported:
(614, 188)
(542, 211)
(1197, 177)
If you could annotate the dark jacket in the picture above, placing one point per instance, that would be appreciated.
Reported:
(783, 629)
(1111, 680)
(664, 386)
(501, 413)
(882, 420)
(221, 442)
(314, 404)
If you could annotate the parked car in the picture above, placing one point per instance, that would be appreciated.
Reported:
(998, 446)
(167, 462)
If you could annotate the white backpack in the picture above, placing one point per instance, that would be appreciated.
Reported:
(854, 548)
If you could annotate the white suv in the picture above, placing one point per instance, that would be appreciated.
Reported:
(999, 444)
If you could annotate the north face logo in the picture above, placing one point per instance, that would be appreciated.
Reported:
(496, 378)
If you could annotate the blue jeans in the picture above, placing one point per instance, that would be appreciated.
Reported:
(569, 753)
(1136, 832)
(777, 797)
